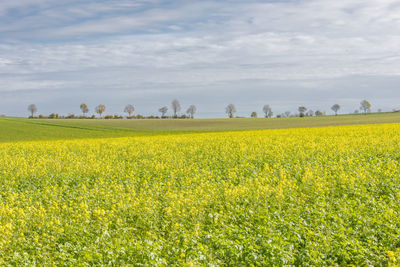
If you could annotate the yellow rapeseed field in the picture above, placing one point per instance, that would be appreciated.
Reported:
(318, 196)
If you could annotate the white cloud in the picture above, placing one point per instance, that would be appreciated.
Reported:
(191, 45)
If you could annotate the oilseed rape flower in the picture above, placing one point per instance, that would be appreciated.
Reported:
(316, 196)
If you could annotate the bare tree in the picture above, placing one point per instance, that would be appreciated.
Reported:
(267, 111)
(310, 113)
(84, 108)
(253, 114)
(287, 114)
(230, 110)
(129, 109)
(365, 106)
(191, 111)
(163, 111)
(335, 108)
(176, 106)
(302, 110)
(100, 109)
(32, 109)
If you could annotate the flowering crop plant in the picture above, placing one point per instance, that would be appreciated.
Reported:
(313, 196)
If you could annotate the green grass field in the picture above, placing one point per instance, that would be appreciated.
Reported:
(21, 129)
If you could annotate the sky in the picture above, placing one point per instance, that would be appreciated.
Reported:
(291, 53)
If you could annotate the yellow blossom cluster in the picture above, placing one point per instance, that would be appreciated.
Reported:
(316, 196)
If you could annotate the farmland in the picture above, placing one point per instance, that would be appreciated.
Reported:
(105, 194)
(18, 129)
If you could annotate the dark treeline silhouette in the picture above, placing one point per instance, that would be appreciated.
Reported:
(230, 110)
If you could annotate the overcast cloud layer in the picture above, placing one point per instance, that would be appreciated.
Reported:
(58, 54)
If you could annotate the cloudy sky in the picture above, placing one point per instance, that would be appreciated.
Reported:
(58, 54)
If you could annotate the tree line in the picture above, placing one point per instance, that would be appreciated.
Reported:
(129, 110)
(230, 110)
(365, 107)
